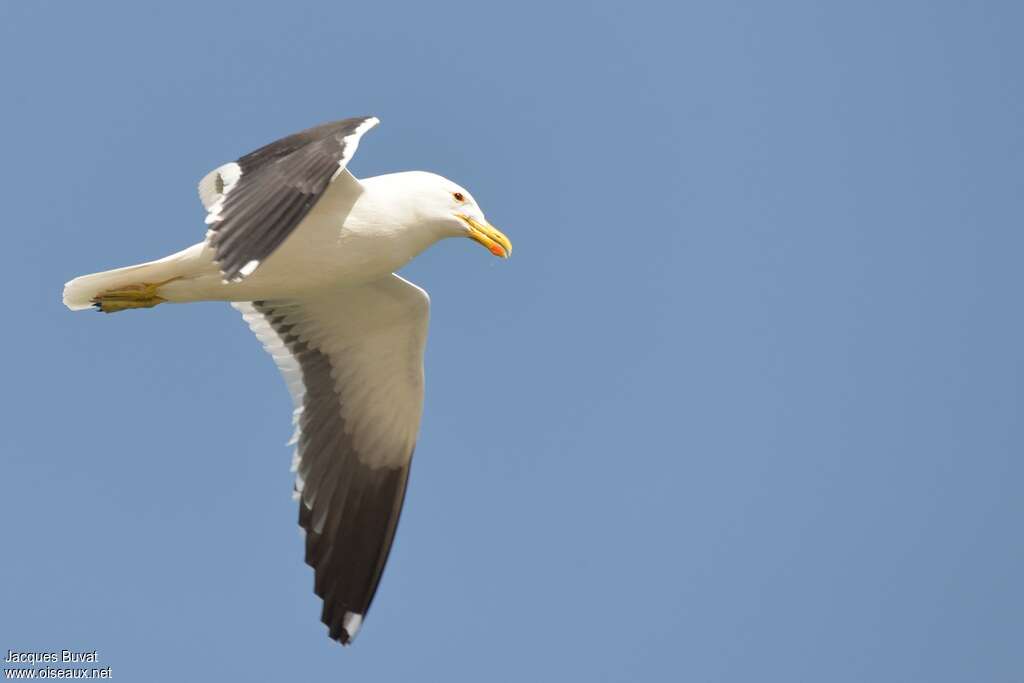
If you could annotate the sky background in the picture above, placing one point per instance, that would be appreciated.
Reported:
(745, 404)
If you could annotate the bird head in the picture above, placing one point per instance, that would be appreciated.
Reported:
(472, 224)
(452, 211)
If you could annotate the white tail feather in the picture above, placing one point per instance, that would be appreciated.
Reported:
(80, 293)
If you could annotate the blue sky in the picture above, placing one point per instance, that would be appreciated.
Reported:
(744, 405)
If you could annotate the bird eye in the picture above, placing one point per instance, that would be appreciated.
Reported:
(459, 197)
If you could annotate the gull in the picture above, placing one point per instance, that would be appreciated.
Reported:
(307, 253)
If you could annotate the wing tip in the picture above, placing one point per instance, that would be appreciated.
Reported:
(348, 629)
(351, 139)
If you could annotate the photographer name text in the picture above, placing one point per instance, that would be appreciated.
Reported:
(21, 657)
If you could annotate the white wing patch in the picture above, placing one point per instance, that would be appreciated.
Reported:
(215, 185)
(352, 621)
(249, 267)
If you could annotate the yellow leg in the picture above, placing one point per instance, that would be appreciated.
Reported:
(142, 295)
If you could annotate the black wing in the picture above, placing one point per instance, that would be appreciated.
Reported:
(256, 202)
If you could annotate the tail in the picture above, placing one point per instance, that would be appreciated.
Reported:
(123, 288)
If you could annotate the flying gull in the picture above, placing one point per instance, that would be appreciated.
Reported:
(307, 253)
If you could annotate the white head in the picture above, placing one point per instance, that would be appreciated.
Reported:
(447, 209)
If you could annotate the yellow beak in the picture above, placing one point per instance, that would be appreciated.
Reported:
(489, 236)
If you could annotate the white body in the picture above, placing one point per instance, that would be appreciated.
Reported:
(356, 233)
